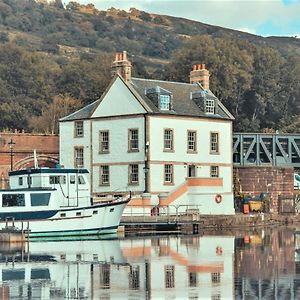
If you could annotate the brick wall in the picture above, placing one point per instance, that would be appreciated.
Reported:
(255, 180)
(46, 145)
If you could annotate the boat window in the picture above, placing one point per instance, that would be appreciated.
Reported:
(72, 179)
(13, 200)
(9, 275)
(20, 180)
(57, 179)
(81, 179)
(40, 274)
(29, 180)
(40, 199)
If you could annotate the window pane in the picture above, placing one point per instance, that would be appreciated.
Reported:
(134, 277)
(165, 102)
(13, 200)
(40, 199)
(134, 173)
(168, 139)
(78, 158)
(169, 173)
(81, 179)
(104, 175)
(104, 141)
(214, 142)
(78, 128)
(210, 106)
(133, 139)
(169, 276)
(214, 171)
(191, 141)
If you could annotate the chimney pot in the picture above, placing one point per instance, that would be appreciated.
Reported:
(201, 77)
(122, 66)
(124, 55)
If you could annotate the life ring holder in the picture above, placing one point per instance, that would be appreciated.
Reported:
(218, 198)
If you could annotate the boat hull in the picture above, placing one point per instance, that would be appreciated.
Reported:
(97, 219)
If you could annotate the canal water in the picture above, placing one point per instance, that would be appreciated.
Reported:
(256, 264)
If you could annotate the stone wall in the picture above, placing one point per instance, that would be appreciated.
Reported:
(46, 146)
(255, 180)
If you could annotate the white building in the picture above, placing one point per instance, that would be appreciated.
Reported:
(169, 143)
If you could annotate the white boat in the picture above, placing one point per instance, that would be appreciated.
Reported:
(46, 202)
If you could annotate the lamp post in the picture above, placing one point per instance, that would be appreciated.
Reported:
(11, 147)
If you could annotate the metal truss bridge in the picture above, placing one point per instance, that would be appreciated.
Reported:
(261, 149)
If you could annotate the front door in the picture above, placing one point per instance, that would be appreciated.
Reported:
(191, 171)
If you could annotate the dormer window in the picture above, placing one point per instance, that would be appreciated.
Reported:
(209, 106)
(164, 102)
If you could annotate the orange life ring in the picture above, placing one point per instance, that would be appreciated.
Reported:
(219, 250)
(218, 198)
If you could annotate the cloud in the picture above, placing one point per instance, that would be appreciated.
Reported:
(283, 15)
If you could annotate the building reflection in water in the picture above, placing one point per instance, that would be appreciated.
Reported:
(261, 264)
(267, 265)
(139, 268)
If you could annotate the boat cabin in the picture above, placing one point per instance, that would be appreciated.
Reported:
(68, 187)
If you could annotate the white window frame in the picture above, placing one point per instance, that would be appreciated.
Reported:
(210, 106)
(164, 102)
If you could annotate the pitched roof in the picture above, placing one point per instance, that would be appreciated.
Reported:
(83, 113)
(182, 103)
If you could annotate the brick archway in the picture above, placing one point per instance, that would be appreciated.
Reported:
(43, 161)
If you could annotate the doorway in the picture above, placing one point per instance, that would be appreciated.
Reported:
(191, 171)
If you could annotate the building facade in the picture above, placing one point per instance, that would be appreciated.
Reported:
(168, 143)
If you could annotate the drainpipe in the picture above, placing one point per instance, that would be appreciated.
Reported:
(146, 143)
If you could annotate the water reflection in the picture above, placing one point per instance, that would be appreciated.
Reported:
(242, 265)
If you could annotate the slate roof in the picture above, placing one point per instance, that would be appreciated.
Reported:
(182, 104)
(83, 113)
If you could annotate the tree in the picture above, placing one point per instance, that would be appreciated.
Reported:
(61, 106)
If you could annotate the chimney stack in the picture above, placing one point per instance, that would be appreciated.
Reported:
(201, 75)
(122, 66)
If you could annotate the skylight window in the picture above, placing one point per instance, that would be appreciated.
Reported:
(164, 102)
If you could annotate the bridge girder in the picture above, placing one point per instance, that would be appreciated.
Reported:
(260, 149)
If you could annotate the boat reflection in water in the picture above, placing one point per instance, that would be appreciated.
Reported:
(139, 268)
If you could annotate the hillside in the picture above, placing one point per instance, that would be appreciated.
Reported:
(42, 27)
(56, 59)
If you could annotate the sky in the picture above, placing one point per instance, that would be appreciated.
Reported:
(260, 17)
